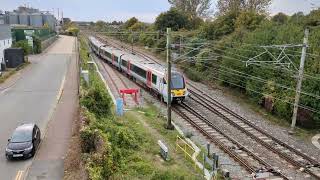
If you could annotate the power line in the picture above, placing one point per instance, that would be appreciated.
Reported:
(246, 88)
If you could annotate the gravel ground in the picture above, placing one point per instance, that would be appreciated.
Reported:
(277, 131)
(261, 151)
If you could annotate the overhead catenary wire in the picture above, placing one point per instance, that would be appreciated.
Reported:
(245, 75)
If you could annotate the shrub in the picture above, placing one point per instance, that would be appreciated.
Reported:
(27, 49)
(88, 139)
(96, 98)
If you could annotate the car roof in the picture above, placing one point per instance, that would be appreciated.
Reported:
(25, 127)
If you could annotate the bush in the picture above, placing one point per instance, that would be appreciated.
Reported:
(96, 99)
(88, 138)
(27, 49)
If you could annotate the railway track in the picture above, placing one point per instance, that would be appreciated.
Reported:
(233, 148)
(114, 76)
(252, 163)
(290, 154)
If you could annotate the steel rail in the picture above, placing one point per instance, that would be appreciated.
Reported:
(208, 105)
(225, 148)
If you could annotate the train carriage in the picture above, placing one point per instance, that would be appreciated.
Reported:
(150, 74)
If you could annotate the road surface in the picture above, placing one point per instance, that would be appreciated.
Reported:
(32, 98)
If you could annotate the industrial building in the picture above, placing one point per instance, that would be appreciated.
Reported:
(28, 17)
(5, 40)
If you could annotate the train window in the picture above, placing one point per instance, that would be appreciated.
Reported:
(109, 55)
(177, 81)
(139, 71)
(124, 63)
(154, 79)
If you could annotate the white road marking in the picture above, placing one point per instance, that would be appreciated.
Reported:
(315, 140)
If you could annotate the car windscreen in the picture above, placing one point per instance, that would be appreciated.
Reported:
(177, 81)
(21, 136)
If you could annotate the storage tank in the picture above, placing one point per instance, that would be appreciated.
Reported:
(13, 18)
(24, 19)
(36, 20)
(50, 20)
(2, 19)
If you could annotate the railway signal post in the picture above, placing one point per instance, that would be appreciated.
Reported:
(169, 123)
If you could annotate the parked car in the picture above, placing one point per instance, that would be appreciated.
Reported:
(24, 142)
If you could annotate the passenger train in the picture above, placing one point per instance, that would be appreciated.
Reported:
(150, 74)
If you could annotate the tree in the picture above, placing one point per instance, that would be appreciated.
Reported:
(173, 19)
(280, 18)
(139, 26)
(259, 6)
(223, 25)
(249, 20)
(130, 22)
(229, 6)
(194, 8)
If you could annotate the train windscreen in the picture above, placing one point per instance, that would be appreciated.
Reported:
(177, 81)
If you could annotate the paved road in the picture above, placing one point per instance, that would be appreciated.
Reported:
(32, 98)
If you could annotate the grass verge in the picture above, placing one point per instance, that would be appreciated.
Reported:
(12, 71)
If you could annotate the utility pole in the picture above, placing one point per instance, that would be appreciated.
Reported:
(180, 48)
(300, 78)
(131, 43)
(169, 124)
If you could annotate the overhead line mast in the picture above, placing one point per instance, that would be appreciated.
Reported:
(300, 79)
(169, 123)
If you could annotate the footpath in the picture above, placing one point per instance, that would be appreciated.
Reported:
(48, 163)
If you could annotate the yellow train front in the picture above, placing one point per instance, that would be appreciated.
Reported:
(178, 87)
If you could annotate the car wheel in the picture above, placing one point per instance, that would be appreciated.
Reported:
(33, 152)
(8, 157)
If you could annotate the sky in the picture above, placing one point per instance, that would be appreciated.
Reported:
(144, 10)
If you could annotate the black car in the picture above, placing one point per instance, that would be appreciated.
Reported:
(24, 142)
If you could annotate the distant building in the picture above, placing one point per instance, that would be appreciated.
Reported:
(29, 17)
(1, 17)
(5, 40)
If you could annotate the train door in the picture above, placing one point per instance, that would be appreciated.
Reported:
(128, 67)
(149, 79)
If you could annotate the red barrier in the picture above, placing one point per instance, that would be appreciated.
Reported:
(129, 91)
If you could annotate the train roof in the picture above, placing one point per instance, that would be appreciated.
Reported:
(96, 42)
(134, 59)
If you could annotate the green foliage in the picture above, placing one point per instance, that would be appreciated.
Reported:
(130, 22)
(24, 45)
(37, 48)
(249, 20)
(96, 99)
(73, 31)
(194, 9)
(280, 18)
(222, 26)
(173, 19)
(166, 175)
(138, 26)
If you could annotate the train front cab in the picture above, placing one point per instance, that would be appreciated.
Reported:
(178, 87)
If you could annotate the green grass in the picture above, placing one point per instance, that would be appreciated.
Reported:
(11, 72)
(158, 123)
